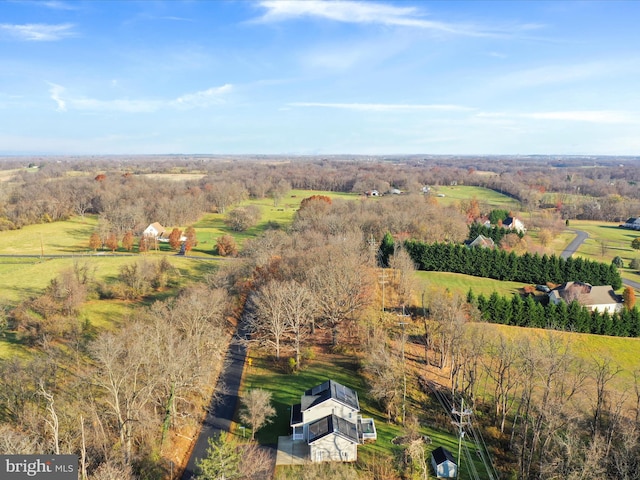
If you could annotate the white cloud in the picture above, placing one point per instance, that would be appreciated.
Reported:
(383, 107)
(199, 99)
(56, 91)
(57, 5)
(589, 116)
(373, 13)
(38, 32)
(202, 98)
(558, 74)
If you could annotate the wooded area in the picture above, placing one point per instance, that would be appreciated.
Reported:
(334, 279)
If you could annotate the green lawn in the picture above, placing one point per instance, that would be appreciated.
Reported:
(70, 236)
(606, 241)
(486, 197)
(457, 282)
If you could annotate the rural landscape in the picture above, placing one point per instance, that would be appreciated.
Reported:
(301, 317)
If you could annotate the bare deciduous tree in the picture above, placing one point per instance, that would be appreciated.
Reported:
(257, 410)
(268, 320)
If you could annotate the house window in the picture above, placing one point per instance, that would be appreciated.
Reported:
(298, 433)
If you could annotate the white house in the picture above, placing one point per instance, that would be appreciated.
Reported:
(601, 298)
(328, 420)
(154, 230)
(632, 223)
(512, 223)
(443, 463)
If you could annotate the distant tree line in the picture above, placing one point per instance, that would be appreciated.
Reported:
(129, 193)
(507, 266)
(571, 317)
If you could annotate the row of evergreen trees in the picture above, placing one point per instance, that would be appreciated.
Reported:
(572, 317)
(507, 266)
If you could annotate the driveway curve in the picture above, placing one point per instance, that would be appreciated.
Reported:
(581, 236)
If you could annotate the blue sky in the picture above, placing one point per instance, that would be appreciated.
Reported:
(319, 77)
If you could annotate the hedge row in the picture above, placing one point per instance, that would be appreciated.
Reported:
(501, 265)
(573, 317)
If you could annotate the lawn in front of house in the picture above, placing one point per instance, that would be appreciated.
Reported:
(287, 388)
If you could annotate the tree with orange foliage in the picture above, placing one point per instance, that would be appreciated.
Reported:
(629, 296)
(127, 241)
(112, 242)
(191, 240)
(94, 241)
(174, 238)
(315, 198)
(143, 244)
(226, 246)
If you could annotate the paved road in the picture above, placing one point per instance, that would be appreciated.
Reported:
(579, 240)
(575, 243)
(223, 405)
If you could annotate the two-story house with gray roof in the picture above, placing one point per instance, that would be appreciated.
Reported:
(328, 420)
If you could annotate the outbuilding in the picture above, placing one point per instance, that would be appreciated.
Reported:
(443, 463)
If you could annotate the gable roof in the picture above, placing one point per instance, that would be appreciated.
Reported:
(329, 389)
(482, 241)
(441, 455)
(333, 424)
(156, 226)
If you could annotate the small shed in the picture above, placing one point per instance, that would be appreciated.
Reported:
(443, 463)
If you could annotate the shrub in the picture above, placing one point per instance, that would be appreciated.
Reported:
(617, 261)
(635, 264)
(226, 246)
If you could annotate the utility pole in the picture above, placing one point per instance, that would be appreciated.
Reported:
(403, 324)
(383, 280)
(462, 414)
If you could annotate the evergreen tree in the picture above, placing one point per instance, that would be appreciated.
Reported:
(387, 248)
(222, 459)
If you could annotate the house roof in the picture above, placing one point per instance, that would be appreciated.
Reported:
(333, 424)
(296, 414)
(441, 455)
(157, 227)
(586, 294)
(329, 389)
(482, 241)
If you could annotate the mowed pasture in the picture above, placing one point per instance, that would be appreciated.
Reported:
(607, 241)
(431, 283)
(487, 198)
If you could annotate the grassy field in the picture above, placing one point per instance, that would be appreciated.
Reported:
(459, 283)
(621, 352)
(488, 199)
(607, 241)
